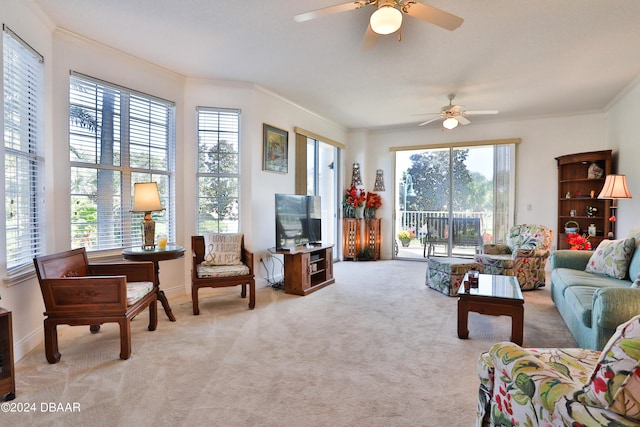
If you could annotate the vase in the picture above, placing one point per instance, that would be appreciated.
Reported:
(405, 242)
(369, 213)
(349, 211)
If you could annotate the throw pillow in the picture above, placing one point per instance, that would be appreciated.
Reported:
(611, 258)
(222, 249)
(615, 381)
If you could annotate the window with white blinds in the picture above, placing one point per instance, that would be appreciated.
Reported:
(23, 76)
(218, 170)
(117, 137)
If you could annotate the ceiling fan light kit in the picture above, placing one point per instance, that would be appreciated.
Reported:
(387, 19)
(454, 115)
(450, 123)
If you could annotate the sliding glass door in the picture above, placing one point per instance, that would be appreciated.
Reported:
(452, 200)
(322, 180)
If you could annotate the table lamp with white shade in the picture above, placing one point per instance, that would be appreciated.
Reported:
(147, 199)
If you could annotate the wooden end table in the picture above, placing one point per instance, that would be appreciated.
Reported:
(495, 296)
(156, 255)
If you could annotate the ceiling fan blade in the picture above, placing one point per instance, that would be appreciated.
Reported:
(455, 109)
(429, 121)
(370, 39)
(330, 10)
(463, 120)
(434, 15)
(478, 112)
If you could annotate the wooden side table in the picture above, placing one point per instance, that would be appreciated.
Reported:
(350, 237)
(495, 295)
(7, 370)
(372, 236)
(156, 255)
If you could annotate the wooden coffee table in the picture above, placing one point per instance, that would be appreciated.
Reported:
(495, 296)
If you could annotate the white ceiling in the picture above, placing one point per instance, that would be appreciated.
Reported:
(525, 58)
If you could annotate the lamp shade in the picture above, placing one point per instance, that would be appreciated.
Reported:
(386, 20)
(146, 197)
(450, 123)
(615, 187)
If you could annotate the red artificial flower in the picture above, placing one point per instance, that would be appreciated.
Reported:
(578, 242)
(374, 200)
(354, 197)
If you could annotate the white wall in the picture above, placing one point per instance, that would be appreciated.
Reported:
(536, 169)
(623, 127)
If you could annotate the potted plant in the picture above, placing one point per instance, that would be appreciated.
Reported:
(405, 237)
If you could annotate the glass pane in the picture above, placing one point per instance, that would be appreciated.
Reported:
(473, 199)
(423, 202)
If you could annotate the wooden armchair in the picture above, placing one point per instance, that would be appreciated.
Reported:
(218, 276)
(78, 293)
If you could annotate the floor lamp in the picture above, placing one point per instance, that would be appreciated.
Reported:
(615, 187)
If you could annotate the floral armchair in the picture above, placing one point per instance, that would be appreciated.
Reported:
(562, 387)
(524, 255)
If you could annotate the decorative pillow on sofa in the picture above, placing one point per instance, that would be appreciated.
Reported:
(222, 249)
(611, 258)
(615, 381)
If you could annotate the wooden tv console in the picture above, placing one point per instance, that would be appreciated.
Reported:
(307, 268)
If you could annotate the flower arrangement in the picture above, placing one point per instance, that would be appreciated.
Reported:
(353, 198)
(578, 242)
(372, 203)
(406, 235)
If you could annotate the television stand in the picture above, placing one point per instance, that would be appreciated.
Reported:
(307, 269)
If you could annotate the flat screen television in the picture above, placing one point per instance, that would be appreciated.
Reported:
(298, 220)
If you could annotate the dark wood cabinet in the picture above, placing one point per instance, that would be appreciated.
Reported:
(308, 269)
(578, 191)
(7, 371)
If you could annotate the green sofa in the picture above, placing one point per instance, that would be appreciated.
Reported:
(593, 305)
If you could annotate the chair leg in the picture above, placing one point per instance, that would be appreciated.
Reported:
(153, 315)
(252, 295)
(194, 299)
(243, 292)
(125, 338)
(51, 341)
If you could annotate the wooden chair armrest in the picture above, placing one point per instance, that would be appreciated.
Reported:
(247, 259)
(84, 295)
(133, 271)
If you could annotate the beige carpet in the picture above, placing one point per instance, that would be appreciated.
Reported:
(377, 348)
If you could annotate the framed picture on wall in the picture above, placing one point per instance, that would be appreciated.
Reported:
(275, 149)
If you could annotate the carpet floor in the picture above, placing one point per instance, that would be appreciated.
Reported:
(377, 348)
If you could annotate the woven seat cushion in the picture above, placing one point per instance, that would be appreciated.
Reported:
(222, 270)
(137, 290)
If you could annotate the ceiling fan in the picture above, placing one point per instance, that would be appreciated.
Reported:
(387, 18)
(453, 115)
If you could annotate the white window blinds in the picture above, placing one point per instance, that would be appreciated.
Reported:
(23, 75)
(218, 170)
(117, 137)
